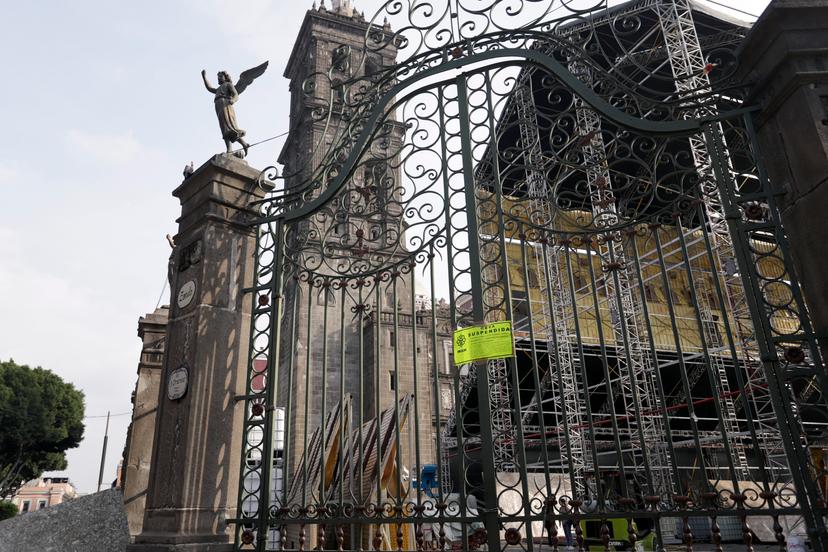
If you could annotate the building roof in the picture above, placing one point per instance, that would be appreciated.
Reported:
(726, 16)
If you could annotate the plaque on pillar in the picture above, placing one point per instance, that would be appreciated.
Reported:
(185, 294)
(177, 383)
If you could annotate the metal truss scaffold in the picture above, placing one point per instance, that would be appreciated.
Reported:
(691, 75)
(562, 376)
(632, 369)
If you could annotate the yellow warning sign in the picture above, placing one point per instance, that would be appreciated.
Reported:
(485, 342)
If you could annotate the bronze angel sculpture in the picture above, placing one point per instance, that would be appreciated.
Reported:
(226, 95)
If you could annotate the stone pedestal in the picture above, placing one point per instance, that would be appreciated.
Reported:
(195, 468)
(785, 58)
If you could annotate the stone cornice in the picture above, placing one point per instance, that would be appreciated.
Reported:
(154, 322)
(227, 164)
(221, 190)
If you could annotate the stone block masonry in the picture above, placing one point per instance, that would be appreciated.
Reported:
(92, 522)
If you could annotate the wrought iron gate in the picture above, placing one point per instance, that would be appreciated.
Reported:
(531, 163)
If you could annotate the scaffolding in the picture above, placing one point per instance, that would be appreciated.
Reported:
(632, 369)
(632, 373)
(563, 366)
(691, 76)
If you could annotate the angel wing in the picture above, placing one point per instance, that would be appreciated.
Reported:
(247, 77)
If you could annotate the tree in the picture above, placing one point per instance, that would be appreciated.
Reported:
(7, 510)
(41, 416)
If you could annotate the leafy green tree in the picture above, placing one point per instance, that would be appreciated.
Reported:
(7, 510)
(41, 416)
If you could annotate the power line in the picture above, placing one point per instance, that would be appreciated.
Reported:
(111, 415)
(262, 141)
(161, 295)
(285, 133)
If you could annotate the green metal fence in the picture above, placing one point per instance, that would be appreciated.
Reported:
(554, 169)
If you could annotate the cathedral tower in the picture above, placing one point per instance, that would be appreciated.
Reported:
(332, 351)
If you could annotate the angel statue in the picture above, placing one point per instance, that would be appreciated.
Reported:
(226, 95)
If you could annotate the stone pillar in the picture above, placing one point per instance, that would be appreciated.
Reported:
(152, 329)
(195, 468)
(785, 60)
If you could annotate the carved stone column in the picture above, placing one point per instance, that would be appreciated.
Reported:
(195, 468)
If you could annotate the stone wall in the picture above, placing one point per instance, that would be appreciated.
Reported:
(92, 522)
(405, 368)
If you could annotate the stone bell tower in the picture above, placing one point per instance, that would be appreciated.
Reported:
(330, 42)
(329, 49)
(343, 7)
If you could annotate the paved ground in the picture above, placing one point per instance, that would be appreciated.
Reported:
(699, 547)
(727, 547)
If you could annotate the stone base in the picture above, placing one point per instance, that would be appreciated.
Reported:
(181, 547)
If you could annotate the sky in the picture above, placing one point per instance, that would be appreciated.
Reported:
(103, 106)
